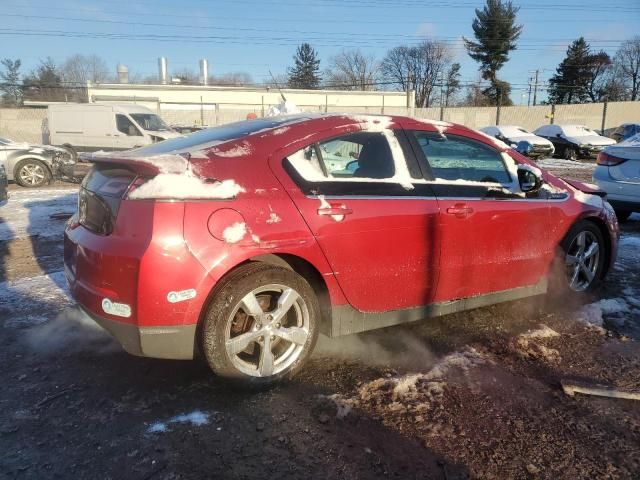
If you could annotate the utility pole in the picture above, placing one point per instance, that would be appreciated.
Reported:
(529, 99)
(441, 80)
(535, 88)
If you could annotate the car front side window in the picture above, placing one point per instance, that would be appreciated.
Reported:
(454, 158)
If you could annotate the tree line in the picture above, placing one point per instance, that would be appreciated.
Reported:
(428, 68)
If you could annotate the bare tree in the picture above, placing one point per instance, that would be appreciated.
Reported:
(79, 69)
(628, 61)
(599, 68)
(352, 70)
(419, 68)
(186, 76)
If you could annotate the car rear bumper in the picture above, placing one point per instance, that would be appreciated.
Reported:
(172, 342)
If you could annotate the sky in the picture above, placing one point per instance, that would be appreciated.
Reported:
(258, 36)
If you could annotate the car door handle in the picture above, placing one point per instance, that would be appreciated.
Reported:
(460, 210)
(335, 210)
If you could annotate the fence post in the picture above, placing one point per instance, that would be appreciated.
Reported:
(326, 103)
(604, 117)
(382, 109)
(498, 106)
(553, 114)
(262, 109)
(201, 112)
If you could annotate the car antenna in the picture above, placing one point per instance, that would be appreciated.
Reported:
(284, 99)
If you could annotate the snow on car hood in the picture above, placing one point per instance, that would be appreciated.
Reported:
(591, 140)
(165, 134)
(629, 149)
(532, 139)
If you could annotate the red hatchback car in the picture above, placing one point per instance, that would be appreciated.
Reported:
(245, 241)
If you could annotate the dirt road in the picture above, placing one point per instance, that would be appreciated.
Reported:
(475, 395)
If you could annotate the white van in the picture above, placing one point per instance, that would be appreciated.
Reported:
(87, 127)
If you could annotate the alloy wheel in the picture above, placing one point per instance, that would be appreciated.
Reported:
(582, 260)
(32, 174)
(267, 331)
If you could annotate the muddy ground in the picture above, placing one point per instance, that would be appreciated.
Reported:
(474, 395)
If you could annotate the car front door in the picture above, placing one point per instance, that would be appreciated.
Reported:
(377, 230)
(492, 237)
(127, 134)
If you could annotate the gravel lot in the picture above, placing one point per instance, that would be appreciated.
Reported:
(474, 395)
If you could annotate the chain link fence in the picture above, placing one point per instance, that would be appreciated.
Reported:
(25, 124)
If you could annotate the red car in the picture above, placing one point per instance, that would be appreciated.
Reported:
(243, 242)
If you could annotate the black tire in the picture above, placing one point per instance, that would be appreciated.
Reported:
(31, 173)
(569, 246)
(71, 150)
(623, 215)
(219, 323)
(570, 153)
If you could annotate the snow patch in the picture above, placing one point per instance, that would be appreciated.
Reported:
(542, 332)
(196, 418)
(287, 107)
(280, 131)
(239, 150)
(185, 185)
(234, 233)
(273, 218)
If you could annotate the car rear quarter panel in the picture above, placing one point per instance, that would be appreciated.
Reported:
(273, 226)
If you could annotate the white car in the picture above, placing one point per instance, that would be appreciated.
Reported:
(574, 141)
(522, 140)
(618, 174)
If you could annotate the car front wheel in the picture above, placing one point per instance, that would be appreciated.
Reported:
(261, 325)
(570, 153)
(31, 173)
(585, 255)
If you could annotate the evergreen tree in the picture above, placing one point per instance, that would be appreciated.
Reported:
(306, 70)
(11, 81)
(570, 84)
(44, 83)
(496, 33)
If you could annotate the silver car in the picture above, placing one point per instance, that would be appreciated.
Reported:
(618, 174)
(32, 165)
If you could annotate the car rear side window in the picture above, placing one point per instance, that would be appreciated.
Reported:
(357, 156)
(458, 158)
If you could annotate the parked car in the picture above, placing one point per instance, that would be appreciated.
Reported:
(88, 127)
(187, 129)
(4, 184)
(266, 246)
(574, 141)
(32, 165)
(625, 131)
(523, 141)
(618, 174)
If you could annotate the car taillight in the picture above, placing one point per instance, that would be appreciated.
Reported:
(137, 183)
(608, 160)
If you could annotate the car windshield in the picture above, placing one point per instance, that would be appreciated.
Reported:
(512, 131)
(150, 122)
(578, 131)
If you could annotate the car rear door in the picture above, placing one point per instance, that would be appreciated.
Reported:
(377, 230)
(492, 239)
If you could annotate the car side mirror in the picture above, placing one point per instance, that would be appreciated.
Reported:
(559, 135)
(530, 179)
(133, 131)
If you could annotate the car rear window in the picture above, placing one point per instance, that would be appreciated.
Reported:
(224, 133)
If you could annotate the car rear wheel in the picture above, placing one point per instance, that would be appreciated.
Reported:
(584, 257)
(31, 173)
(623, 215)
(261, 325)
